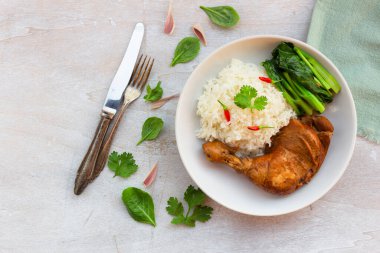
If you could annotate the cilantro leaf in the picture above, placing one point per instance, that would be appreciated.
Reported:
(244, 98)
(180, 219)
(174, 207)
(194, 198)
(153, 94)
(260, 103)
(122, 164)
(202, 213)
(113, 161)
(189, 222)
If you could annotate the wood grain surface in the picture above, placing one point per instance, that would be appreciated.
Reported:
(57, 59)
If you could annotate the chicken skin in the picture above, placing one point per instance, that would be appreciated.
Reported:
(296, 154)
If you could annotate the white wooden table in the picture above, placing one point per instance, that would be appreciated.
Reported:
(57, 59)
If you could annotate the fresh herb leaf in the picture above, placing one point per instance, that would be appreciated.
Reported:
(244, 99)
(194, 198)
(180, 219)
(174, 207)
(189, 222)
(224, 16)
(139, 205)
(151, 129)
(260, 103)
(186, 50)
(154, 94)
(202, 213)
(122, 164)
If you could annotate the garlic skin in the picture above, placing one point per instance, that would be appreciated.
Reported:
(151, 175)
(159, 103)
(169, 22)
(199, 32)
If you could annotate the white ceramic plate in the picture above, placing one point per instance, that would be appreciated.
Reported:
(234, 190)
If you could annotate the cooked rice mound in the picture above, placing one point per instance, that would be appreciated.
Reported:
(224, 87)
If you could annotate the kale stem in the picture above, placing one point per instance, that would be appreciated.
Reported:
(317, 75)
(319, 70)
(310, 98)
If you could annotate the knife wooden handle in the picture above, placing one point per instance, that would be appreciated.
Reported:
(104, 151)
(86, 168)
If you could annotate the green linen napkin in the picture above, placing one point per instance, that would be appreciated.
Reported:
(348, 32)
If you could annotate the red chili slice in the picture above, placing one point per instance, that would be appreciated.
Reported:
(227, 114)
(265, 79)
(257, 128)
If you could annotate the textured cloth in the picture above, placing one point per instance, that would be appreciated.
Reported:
(348, 32)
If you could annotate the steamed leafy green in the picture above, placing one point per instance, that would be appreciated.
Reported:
(305, 84)
(322, 75)
(288, 61)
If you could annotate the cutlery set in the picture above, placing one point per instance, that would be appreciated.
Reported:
(126, 87)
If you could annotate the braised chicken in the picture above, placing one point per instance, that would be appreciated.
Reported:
(296, 154)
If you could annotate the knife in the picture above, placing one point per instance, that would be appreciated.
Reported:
(110, 107)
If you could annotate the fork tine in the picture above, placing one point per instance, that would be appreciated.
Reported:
(138, 71)
(142, 74)
(146, 74)
(135, 68)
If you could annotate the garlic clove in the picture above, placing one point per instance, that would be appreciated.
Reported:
(169, 23)
(198, 31)
(151, 175)
(157, 104)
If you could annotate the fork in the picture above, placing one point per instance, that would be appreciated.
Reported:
(133, 91)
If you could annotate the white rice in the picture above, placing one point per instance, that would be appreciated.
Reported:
(277, 113)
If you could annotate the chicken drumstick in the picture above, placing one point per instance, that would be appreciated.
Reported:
(296, 154)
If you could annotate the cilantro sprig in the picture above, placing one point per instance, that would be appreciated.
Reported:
(122, 164)
(245, 99)
(194, 198)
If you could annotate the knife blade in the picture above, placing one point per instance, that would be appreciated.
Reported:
(124, 73)
(110, 107)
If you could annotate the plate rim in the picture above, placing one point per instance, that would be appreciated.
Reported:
(351, 102)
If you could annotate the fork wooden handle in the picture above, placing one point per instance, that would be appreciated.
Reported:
(86, 168)
(105, 149)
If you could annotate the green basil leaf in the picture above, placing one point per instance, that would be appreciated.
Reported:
(139, 205)
(153, 94)
(151, 129)
(186, 50)
(224, 16)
